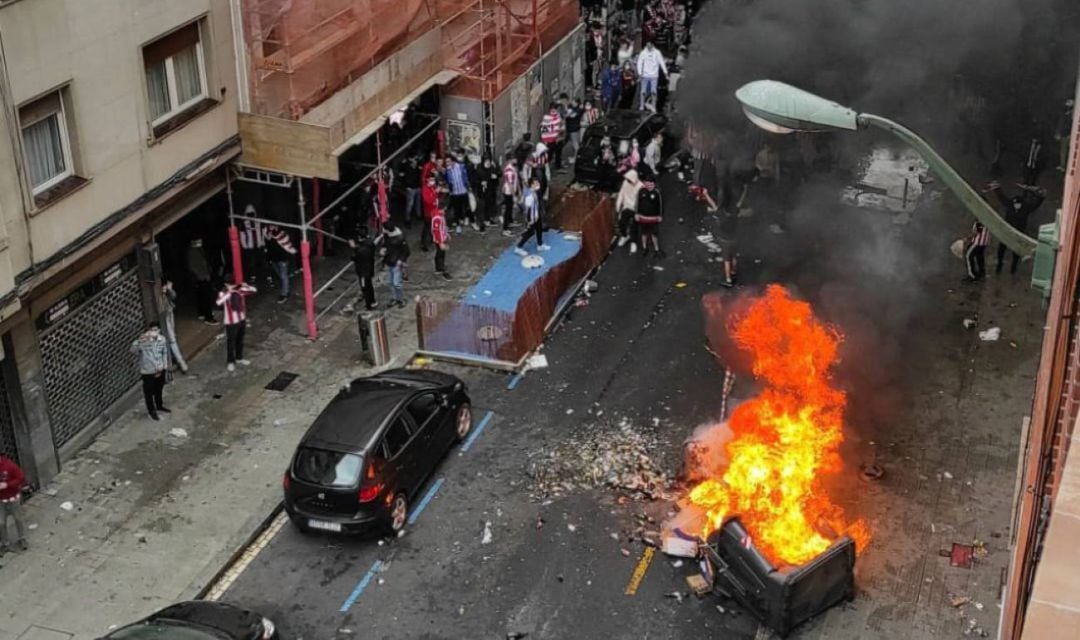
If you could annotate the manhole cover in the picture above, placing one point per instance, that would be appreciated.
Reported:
(489, 332)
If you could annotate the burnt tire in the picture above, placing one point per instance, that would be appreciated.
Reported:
(463, 422)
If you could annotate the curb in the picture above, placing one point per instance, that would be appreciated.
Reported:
(240, 551)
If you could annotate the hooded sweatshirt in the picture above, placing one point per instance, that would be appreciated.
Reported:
(628, 193)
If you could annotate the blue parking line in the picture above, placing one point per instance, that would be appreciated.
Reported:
(360, 586)
(424, 503)
(514, 381)
(476, 432)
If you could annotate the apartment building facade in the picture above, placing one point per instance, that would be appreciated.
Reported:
(118, 121)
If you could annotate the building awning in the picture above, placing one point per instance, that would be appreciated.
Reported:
(443, 77)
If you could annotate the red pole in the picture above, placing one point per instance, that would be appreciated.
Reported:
(318, 221)
(237, 263)
(309, 298)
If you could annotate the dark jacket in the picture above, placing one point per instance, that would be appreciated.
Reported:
(363, 258)
(486, 181)
(650, 206)
(397, 250)
(11, 474)
(1018, 208)
(572, 118)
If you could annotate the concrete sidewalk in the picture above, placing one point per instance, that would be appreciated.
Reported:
(148, 513)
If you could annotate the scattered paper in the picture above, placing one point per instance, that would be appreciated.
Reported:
(178, 432)
(990, 335)
(67, 506)
(486, 538)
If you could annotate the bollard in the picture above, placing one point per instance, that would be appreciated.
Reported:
(376, 342)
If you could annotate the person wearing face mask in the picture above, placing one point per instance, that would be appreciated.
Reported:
(1017, 209)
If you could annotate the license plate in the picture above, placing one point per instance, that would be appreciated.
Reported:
(324, 525)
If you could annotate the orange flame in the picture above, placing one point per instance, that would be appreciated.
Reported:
(785, 438)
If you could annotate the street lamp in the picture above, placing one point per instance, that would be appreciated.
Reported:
(782, 108)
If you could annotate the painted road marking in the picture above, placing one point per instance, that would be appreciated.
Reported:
(639, 571)
(360, 586)
(246, 558)
(514, 381)
(424, 503)
(476, 432)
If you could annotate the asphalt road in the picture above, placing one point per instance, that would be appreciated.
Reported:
(637, 351)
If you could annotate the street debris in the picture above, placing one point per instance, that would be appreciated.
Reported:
(676, 595)
(990, 335)
(946, 475)
(486, 538)
(969, 323)
(178, 432)
(678, 544)
(776, 229)
(67, 506)
(961, 555)
(657, 267)
(625, 552)
(698, 584)
(616, 457)
(516, 635)
(872, 472)
(959, 601)
(536, 361)
(571, 528)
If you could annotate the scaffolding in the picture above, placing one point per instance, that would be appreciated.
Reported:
(301, 52)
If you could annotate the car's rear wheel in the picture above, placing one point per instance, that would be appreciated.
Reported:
(399, 512)
(463, 423)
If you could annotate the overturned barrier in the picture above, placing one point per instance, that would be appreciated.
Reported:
(485, 329)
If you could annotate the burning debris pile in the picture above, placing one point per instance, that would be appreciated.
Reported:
(778, 444)
(616, 457)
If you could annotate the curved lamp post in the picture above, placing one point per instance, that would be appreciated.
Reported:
(782, 108)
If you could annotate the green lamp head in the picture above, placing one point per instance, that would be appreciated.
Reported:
(782, 108)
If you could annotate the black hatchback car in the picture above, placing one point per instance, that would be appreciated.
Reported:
(620, 127)
(366, 456)
(199, 620)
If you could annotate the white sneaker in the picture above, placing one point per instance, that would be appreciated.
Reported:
(457, 229)
(244, 361)
(231, 367)
(521, 252)
(544, 247)
(633, 247)
(622, 240)
(508, 233)
(475, 226)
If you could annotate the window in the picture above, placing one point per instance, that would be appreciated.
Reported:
(422, 408)
(45, 142)
(175, 74)
(327, 468)
(397, 436)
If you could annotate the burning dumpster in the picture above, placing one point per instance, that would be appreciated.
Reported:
(782, 598)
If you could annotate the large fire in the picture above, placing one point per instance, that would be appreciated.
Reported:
(785, 438)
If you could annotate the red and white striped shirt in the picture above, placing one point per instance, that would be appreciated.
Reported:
(550, 128)
(509, 179)
(234, 303)
(439, 234)
(980, 235)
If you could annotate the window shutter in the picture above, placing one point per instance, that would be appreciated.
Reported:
(39, 108)
(171, 44)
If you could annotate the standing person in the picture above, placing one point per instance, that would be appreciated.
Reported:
(572, 118)
(652, 153)
(12, 482)
(233, 300)
(650, 63)
(429, 202)
(281, 252)
(1035, 162)
(510, 189)
(457, 176)
(410, 176)
(430, 167)
(1063, 135)
(650, 213)
(252, 246)
(626, 203)
(975, 252)
(589, 115)
(1017, 210)
(626, 51)
(729, 253)
(530, 202)
(487, 188)
(440, 236)
(363, 258)
(628, 86)
(199, 268)
(610, 86)
(396, 261)
(551, 127)
(168, 321)
(153, 352)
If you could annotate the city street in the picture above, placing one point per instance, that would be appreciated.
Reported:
(943, 423)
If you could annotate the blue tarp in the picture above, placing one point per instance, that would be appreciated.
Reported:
(506, 281)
